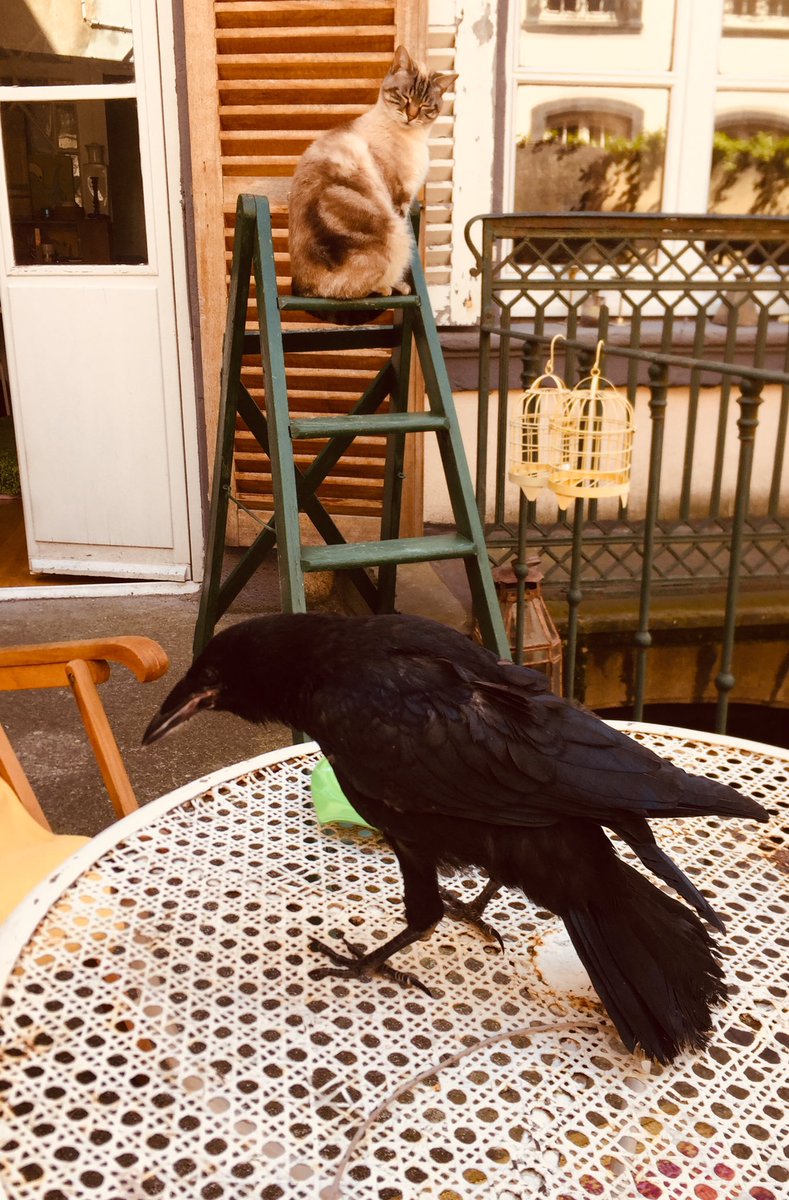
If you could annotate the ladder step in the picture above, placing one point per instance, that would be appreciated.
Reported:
(371, 304)
(375, 554)
(408, 422)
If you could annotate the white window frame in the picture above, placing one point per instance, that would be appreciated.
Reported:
(71, 93)
(692, 84)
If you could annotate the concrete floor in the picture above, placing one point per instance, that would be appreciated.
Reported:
(48, 736)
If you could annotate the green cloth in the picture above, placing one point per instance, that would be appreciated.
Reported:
(328, 798)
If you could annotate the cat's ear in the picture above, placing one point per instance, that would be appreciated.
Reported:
(402, 61)
(443, 82)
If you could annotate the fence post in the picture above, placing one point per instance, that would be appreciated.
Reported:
(574, 597)
(749, 400)
(483, 386)
(658, 389)
(501, 415)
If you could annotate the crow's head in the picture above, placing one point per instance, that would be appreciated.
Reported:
(249, 669)
(201, 687)
(230, 674)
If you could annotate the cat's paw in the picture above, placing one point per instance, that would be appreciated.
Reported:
(403, 289)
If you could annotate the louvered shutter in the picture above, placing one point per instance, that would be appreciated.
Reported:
(438, 192)
(286, 70)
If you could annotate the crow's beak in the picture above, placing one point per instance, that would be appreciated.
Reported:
(180, 705)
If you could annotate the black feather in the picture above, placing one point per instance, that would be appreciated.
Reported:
(461, 759)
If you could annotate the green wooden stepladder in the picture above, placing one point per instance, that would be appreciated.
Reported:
(295, 490)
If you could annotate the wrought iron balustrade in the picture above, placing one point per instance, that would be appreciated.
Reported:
(695, 316)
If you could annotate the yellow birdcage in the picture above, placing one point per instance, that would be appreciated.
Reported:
(531, 464)
(591, 439)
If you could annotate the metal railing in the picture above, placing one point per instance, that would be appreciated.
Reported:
(694, 312)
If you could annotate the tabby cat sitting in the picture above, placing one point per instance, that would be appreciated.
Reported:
(353, 188)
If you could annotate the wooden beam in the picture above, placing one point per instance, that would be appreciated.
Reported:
(207, 198)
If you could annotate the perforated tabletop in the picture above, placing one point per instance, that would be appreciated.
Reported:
(162, 1036)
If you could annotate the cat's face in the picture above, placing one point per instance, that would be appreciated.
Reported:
(411, 95)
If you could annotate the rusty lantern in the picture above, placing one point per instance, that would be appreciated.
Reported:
(537, 643)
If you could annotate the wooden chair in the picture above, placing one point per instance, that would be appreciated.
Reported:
(27, 844)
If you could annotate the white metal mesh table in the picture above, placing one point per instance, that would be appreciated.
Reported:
(162, 1036)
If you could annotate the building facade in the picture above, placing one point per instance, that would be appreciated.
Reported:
(129, 128)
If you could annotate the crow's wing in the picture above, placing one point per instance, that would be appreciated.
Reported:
(428, 735)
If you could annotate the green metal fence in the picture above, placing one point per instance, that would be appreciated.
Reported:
(695, 316)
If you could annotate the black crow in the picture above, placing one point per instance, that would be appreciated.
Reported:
(459, 758)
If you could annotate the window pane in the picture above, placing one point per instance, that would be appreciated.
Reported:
(74, 181)
(70, 41)
(754, 41)
(589, 149)
(750, 155)
(599, 35)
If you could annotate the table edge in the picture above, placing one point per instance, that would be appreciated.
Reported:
(20, 923)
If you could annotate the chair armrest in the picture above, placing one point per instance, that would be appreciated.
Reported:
(142, 655)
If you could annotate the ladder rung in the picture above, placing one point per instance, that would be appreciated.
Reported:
(375, 423)
(376, 554)
(368, 303)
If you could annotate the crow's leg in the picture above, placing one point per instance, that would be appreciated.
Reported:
(423, 910)
(471, 911)
(361, 965)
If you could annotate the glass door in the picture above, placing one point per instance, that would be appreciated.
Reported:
(87, 289)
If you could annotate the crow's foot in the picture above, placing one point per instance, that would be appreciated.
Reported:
(360, 965)
(471, 913)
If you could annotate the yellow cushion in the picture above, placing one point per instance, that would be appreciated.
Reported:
(28, 853)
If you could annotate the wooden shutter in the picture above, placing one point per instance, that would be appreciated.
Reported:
(285, 70)
(438, 192)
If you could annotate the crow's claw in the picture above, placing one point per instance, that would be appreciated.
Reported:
(360, 965)
(472, 914)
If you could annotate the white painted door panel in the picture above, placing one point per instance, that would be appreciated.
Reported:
(100, 463)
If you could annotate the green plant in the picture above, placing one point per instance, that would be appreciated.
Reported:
(9, 467)
(622, 170)
(765, 154)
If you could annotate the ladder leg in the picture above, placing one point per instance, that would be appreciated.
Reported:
(458, 477)
(232, 352)
(286, 505)
(395, 456)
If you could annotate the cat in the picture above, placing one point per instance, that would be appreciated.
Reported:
(353, 188)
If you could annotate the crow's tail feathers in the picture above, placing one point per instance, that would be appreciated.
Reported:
(705, 797)
(652, 963)
(640, 838)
